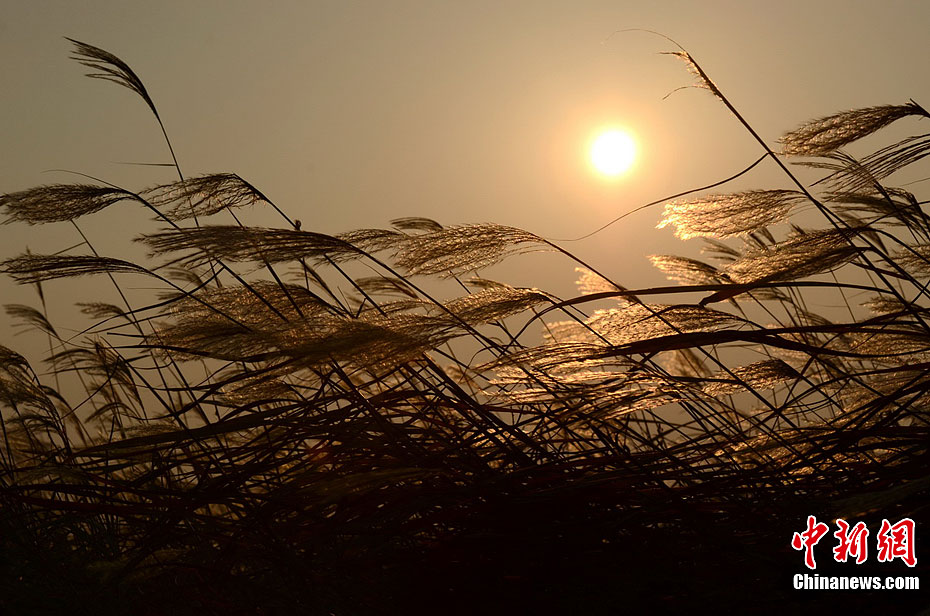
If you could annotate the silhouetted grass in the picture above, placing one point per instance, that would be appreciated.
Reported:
(275, 433)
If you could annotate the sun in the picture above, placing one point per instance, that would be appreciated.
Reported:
(613, 152)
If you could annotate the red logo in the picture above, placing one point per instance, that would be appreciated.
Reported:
(893, 541)
(851, 543)
(808, 539)
(897, 541)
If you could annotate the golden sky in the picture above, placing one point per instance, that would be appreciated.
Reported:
(349, 114)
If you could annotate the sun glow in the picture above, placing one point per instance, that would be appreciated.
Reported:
(613, 152)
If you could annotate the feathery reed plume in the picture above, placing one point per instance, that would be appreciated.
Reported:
(635, 322)
(244, 244)
(32, 269)
(826, 135)
(916, 259)
(590, 282)
(101, 311)
(59, 202)
(728, 215)
(688, 271)
(695, 69)
(495, 304)
(110, 68)
(386, 285)
(416, 223)
(30, 318)
(894, 205)
(803, 255)
(453, 250)
(203, 196)
(851, 175)
(758, 376)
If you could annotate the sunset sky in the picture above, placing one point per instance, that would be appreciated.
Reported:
(349, 114)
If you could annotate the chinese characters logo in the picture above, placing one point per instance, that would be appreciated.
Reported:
(892, 541)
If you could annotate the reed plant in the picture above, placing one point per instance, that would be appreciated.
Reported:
(299, 422)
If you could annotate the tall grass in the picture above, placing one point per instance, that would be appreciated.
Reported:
(301, 422)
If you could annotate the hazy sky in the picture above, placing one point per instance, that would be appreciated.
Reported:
(349, 114)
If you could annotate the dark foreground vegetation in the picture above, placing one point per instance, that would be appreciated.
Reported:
(305, 423)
